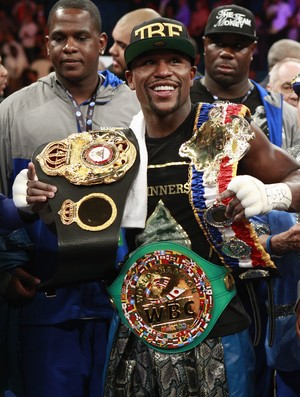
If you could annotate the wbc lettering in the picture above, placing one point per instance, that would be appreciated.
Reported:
(173, 311)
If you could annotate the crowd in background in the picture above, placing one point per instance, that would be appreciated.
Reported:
(23, 27)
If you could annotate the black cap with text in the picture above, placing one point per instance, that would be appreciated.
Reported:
(231, 19)
(159, 34)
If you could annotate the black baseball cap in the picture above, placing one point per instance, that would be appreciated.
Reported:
(231, 19)
(159, 34)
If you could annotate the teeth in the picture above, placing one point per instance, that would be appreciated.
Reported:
(164, 88)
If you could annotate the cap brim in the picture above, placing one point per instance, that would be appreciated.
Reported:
(247, 36)
(153, 44)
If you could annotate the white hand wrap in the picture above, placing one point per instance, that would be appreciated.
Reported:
(258, 198)
(19, 190)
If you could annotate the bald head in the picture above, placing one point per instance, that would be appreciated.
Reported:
(285, 48)
(121, 36)
(133, 18)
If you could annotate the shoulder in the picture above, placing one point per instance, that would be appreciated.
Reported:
(30, 96)
(26, 94)
(289, 110)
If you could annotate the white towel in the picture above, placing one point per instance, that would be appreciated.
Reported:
(135, 211)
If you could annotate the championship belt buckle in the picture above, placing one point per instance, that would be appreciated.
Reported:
(166, 297)
(89, 158)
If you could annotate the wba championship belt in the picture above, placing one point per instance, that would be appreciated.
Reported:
(170, 297)
(93, 172)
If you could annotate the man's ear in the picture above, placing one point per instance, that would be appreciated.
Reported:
(193, 73)
(47, 44)
(103, 38)
(128, 76)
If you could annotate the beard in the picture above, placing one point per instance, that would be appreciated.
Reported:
(166, 111)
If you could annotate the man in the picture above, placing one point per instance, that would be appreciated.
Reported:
(284, 48)
(279, 236)
(228, 53)
(14, 256)
(280, 79)
(63, 334)
(121, 37)
(160, 59)
(229, 47)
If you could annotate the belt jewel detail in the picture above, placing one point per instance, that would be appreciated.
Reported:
(236, 248)
(94, 212)
(89, 158)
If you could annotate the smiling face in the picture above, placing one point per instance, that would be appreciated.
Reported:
(74, 45)
(162, 80)
(228, 58)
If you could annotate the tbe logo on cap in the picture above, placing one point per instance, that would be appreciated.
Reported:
(227, 17)
(159, 29)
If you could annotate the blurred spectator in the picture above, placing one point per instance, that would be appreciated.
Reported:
(294, 23)
(199, 15)
(278, 13)
(28, 77)
(22, 8)
(284, 48)
(14, 59)
(280, 50)
(28, 35)
(42, 64)
(167, 8)
(40, 16)
(183, 13)
(6, 23)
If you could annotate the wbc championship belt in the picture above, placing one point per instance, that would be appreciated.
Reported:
(221, 138)
(170, 297)
(93, 172)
